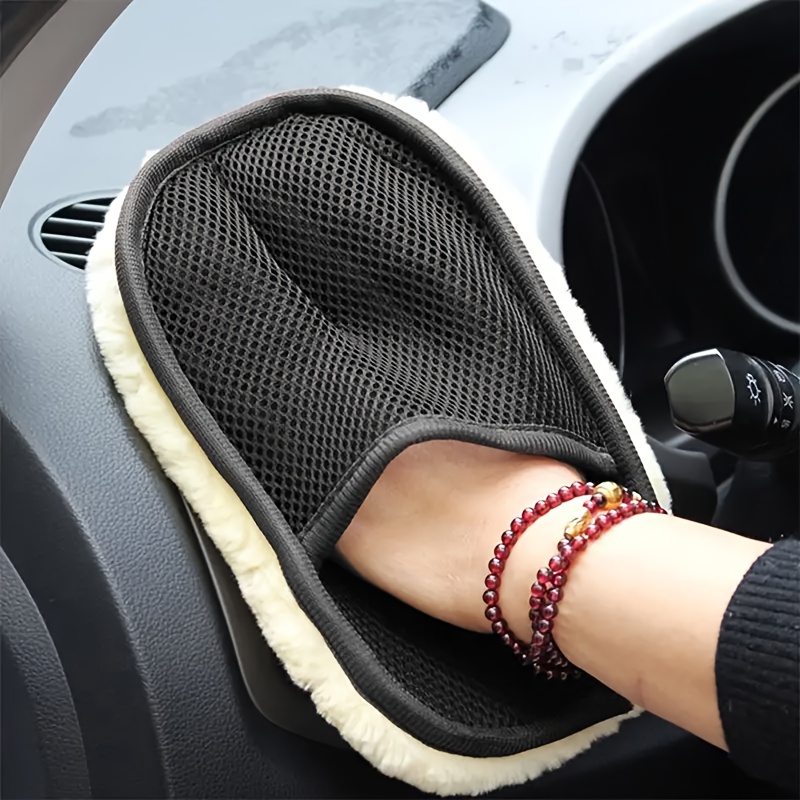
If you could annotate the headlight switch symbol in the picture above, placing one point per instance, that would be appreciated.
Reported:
(753, 388)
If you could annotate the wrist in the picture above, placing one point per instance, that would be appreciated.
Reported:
(545, 559)
(531, 552)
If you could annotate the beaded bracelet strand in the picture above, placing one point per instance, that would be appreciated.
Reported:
(607, 505)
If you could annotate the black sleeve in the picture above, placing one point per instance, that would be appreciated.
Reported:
(758, 668)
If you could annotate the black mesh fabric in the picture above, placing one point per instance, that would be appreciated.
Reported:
(469, 678)
(319, 283)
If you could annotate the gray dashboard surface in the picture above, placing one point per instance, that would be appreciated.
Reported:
(164, 67)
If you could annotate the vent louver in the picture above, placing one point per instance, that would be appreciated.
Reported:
(68, 234)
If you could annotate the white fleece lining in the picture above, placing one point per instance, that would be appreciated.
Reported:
(291, 635)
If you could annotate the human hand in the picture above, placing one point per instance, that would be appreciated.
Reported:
(428, 528)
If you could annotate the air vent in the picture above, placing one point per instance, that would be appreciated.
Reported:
(68, 234)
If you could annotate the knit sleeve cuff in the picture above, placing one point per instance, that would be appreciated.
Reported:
(758, 668)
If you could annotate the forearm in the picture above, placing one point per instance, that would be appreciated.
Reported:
(642, 609)
(643, 604)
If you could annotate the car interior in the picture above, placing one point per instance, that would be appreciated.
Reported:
(131, 666)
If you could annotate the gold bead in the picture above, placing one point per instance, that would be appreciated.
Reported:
(611, 492)
(578, 525)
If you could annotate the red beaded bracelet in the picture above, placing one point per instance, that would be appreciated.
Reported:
(611, 503)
